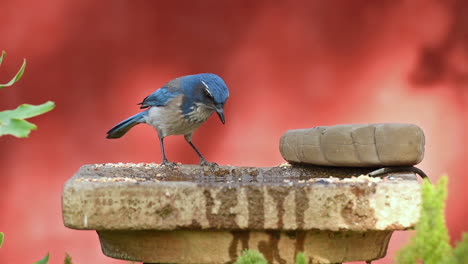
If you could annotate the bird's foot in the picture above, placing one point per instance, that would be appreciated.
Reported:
(203, 162)
(168, 164)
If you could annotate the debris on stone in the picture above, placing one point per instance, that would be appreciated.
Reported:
(360, 178)
(114, 179)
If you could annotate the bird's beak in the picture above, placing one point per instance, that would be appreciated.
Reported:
(220, 112)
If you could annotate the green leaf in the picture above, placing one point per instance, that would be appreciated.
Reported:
(45, 260)
(1, 234)
(18, 128)
(12, 121)
(2, 56)
(301, 258)
(17, 76)
(251, 257)
(26, 110)
(68, 259)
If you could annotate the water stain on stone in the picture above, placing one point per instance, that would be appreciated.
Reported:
(386, 241)
(302, 204)
(243, 238)
(256, 208)
(300, 241)
(165, 211)
(358, 209)
(228, 199)
(362, 190)
(150, 204)
(195, 224)
(209, 204)
(278, 195)
(270, 249)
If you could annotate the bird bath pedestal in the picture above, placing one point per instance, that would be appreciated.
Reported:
(193, 214)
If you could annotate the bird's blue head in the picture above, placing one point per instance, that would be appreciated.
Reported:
(207, 90)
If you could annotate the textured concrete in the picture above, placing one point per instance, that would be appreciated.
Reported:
(193, 214)
(183, 246)
(367, 145)
(125, 198)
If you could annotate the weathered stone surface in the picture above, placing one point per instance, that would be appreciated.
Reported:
(193, 214)
(355, 145)
(137, 197)
(184, 246)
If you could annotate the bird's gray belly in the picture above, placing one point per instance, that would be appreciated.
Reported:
(169, 121)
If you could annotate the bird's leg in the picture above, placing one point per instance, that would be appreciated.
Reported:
(164, 159)
(203, 161)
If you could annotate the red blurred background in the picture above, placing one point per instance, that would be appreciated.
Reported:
(288, 65)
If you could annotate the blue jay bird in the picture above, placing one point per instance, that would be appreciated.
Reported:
(179, 108)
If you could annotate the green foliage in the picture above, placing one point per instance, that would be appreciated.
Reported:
(431, 242)
(460, 253)
(17, 76)
(255, 257)
(251, 257)
(68, 259)
(301, 258)
(45, 260)
(12, 121)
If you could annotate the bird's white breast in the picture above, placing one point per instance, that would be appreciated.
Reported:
(169, 120)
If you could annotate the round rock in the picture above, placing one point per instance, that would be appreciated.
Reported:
(355, 145)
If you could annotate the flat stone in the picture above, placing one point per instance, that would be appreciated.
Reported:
(198, 246)
(193, 214)
(284, 198)
(355, 145)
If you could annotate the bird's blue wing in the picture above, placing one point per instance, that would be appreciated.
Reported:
(160, 97)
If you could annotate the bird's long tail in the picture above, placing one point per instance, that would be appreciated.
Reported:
(123, 127)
